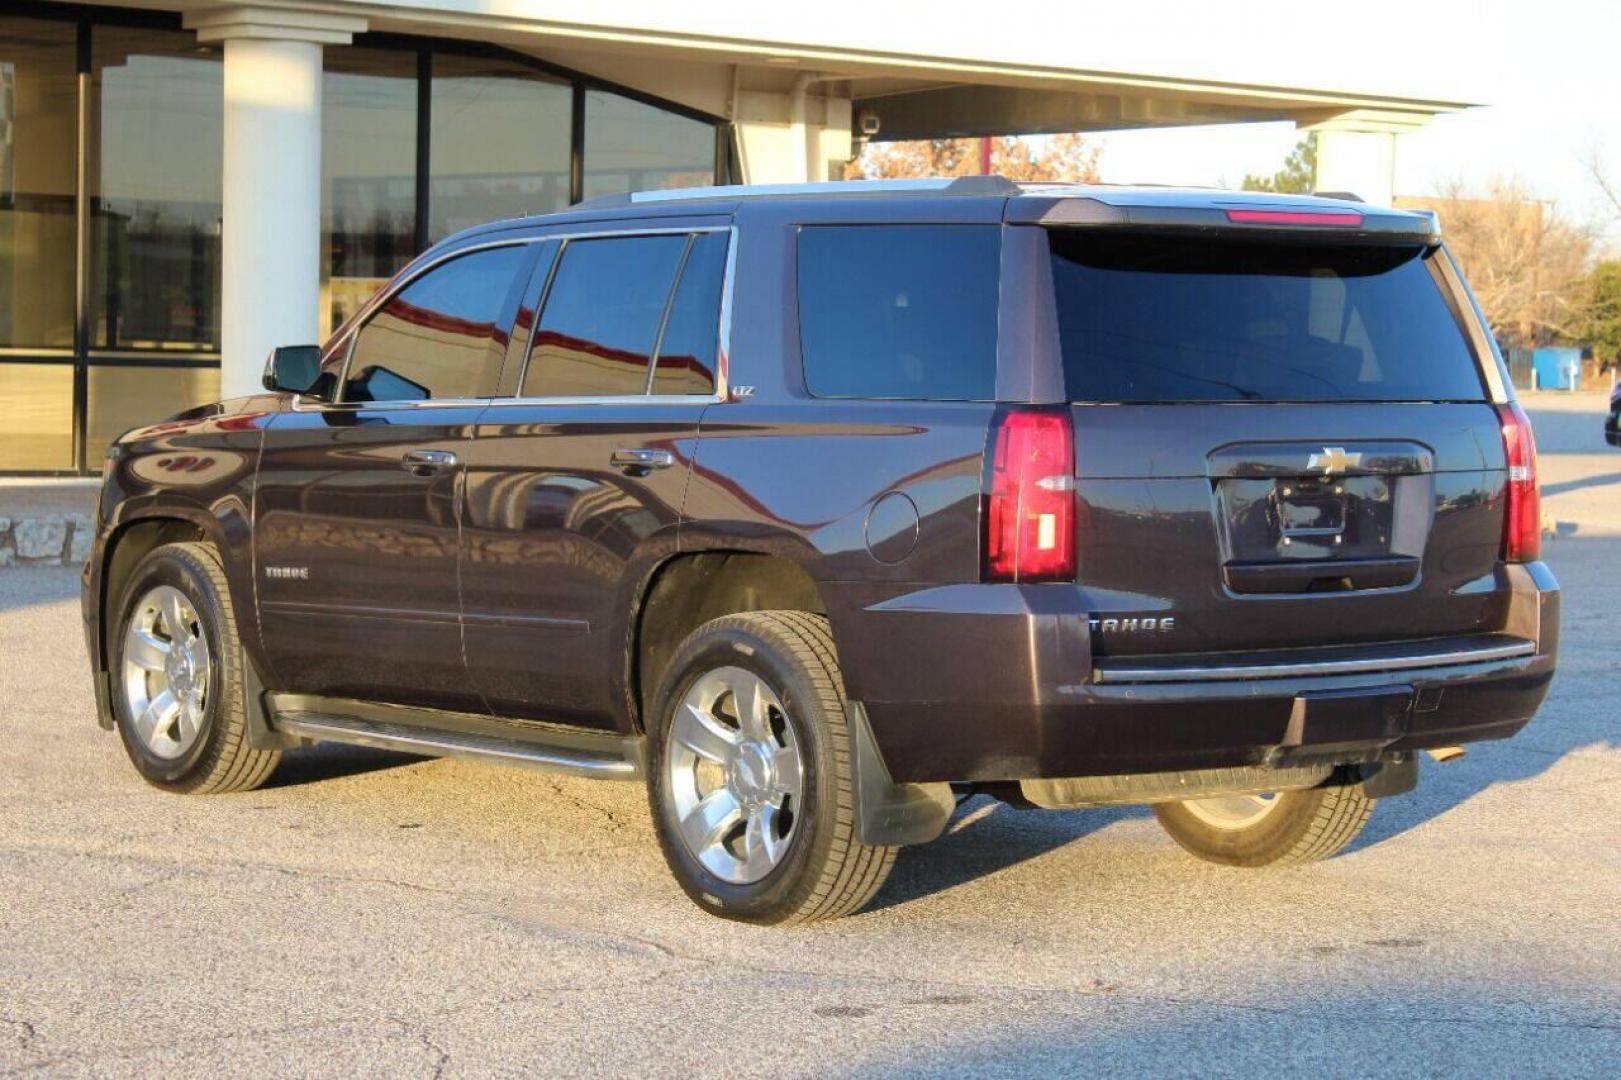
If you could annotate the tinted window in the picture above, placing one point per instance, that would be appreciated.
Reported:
(906, 311)
(436, 338)
(1144, 318)
(602, 317)
(686, 360)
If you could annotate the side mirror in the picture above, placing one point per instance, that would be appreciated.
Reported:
(294, 369)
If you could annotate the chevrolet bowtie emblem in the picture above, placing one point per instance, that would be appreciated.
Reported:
(1333, 459)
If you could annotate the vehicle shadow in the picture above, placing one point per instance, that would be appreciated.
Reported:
(984, 837)
(334, 761)
(1601, 480)
(1577, 716)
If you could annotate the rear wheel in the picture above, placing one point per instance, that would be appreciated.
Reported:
(1287, 827)
(750, 776)
(178, 693)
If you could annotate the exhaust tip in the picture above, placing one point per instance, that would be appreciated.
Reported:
(1443, 754)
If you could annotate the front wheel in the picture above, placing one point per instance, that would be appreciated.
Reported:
(750, 778)
(1284, 828)
(178, 693)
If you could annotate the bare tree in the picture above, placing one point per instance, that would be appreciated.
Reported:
(1526, 262)
(1611, 189)
(1067, 157)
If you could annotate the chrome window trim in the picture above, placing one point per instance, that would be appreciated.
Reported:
(723, 340)
(1215, 673)
(607, 399)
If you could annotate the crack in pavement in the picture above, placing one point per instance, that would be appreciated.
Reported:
(27, 1034)
(614, 823)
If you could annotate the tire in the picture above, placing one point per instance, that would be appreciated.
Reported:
(819, 869)
(199, 745)
(1296, 826)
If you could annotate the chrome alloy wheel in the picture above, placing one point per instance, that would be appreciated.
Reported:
(166, 671)
(734, 775)
(1232, 811)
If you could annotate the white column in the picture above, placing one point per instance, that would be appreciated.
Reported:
(272, 181)
(790, 138)
(1356, 152)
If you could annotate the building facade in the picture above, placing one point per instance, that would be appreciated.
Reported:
(181, 190)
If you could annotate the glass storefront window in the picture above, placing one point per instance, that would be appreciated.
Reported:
(126, 396)
(155, 177)
(36, 426)
(38, 130)
(368, 174)
(499, 145)
(630, 146)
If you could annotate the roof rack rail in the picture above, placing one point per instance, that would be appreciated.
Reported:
(938, 185)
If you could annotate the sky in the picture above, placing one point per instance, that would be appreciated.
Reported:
(1548, 76)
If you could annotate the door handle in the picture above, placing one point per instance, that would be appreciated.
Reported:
(427, 462)
(639, 461)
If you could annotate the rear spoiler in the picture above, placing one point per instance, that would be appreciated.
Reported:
(1340, 220)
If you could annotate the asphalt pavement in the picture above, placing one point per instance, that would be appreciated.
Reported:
(375, 914)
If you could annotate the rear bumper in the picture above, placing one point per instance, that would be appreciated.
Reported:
(997, 682)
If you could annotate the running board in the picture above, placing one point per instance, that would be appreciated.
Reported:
(548, 747)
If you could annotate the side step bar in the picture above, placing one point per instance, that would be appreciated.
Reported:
(574, 752)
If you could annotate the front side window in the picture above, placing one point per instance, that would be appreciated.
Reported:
(437, 338)
(601, 320)
(902, 311)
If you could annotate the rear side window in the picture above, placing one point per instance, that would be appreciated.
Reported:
(602, 317)
(437, 337)
(899, 311)
(1171, 319)
(686, 353)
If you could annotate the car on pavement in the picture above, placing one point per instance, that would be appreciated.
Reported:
(817, 508)
(1612, 422)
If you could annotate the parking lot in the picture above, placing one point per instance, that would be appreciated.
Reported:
(371, 913)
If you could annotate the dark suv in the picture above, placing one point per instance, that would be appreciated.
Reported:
(817, 508)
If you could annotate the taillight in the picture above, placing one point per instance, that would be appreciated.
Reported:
(1030, 519)
(1522, 514)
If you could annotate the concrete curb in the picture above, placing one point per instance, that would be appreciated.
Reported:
(45, 540)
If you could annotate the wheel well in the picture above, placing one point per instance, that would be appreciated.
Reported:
(132, 544)
(690, 590)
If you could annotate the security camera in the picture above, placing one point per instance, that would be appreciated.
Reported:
(869, 123)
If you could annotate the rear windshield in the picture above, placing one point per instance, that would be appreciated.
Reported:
(1173, 319)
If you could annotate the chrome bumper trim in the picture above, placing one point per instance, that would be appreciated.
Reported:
(1356, 666)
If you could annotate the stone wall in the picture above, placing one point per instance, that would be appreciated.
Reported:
(51, 540)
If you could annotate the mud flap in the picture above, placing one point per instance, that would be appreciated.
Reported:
(104, 701)
(256, 712)
(889, 814)
(1394, 774)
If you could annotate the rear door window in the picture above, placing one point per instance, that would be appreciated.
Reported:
(602, 315)
(442, 336)
(899, 311)
(1146, 318)
(687, 349)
